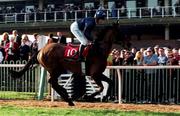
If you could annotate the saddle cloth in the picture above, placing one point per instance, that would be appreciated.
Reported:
(71, 51)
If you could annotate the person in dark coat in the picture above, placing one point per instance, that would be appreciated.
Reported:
(61, 38)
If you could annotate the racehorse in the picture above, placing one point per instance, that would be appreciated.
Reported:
(51, 57)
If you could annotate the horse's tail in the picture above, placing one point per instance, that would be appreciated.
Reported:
(31, 61)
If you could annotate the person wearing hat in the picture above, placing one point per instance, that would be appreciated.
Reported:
(150, 59)
(82, 29)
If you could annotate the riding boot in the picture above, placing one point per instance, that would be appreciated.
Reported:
(81, 49)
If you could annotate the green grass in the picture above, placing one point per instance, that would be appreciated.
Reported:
(17, 95)
(6, 110)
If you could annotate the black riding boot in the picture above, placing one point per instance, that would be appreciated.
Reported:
(81, 49)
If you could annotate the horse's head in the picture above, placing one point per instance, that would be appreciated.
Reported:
(106, 36)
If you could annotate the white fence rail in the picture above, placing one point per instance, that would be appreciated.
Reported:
(144, 84)
(25, 87)
(132, 84)
(127, 13)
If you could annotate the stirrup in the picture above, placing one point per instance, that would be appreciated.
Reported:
(81, 59)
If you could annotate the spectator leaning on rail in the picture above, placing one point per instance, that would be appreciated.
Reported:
(12, 50)
(1, 56)
(82, 29)
(24, 49)
(3, 41)
(162, 58)
(150, 59)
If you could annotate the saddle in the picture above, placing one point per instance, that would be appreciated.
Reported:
(72, 51)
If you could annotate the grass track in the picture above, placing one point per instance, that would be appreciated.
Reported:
(10, 110)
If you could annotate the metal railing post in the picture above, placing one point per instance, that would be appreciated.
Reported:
(118, 15)
(86, 14)
(140, 13)
(174, 11)
(55, 16)
(163, 12)
(25, 18)
(35, 17)
(151, 9)
(15, 17)
(75, 15)
(45, 18)
(65, 16)
(129, 13)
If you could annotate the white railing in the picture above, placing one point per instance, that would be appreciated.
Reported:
(155, 81)
(157, 72)
(54, 16)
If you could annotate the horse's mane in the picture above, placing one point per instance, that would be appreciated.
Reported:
(101, 45)
(101, 34)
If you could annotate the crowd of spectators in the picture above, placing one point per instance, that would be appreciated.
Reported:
(14, 47)
(150, 56)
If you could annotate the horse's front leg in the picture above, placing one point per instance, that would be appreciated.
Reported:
(98, 81)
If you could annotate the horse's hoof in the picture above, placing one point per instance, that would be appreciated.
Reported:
(71, 104)
(105, 99)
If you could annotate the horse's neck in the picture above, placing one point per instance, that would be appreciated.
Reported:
(102, 47)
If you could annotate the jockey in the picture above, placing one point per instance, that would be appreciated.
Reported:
(82, 29)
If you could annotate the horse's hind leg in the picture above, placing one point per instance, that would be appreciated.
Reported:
(60, 90)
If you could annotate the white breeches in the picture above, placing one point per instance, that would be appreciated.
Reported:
(78, 34)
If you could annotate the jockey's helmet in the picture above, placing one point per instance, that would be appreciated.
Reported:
(100, 14)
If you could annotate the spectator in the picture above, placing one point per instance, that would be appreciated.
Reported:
(162, 58)
(143, 51)
(34, 45)
(51, 39)
(171, 59)
(177, 8)
(11, 50)
(150, 75)
(117, 59)
(1, 57)
(101, 7)
(179, 55)
(172, 77)
(176, 54)
(28, 42)
(16, 37)
(133, 51)
(114, 10)
(156, 49)
(138, 58)
(128, 59)
(61, 38)
(150, 59)
(4, 40)
(24, 49)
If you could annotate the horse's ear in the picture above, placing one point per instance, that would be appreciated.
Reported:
(116, 24)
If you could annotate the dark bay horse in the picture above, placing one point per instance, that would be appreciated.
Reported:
(51, 57)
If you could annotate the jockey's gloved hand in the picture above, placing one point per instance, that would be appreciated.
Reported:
(89, 42)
